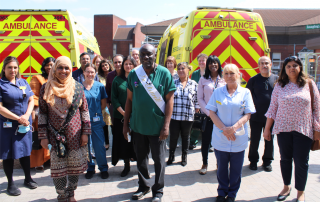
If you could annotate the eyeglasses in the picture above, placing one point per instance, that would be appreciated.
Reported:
(266, 86)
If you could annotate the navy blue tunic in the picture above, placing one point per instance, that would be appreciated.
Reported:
(20, 145)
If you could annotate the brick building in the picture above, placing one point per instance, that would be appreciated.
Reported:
(114, 36)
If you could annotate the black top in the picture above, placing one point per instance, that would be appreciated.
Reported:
(261, 89)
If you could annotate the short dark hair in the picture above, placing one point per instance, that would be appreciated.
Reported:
(84, 53)
(6, 61)
(133, 61)
(284, 79)
(116, 55)
(100, 71)
(212, 59)
(44, 63)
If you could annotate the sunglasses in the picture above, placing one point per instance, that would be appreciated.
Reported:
(291, 58)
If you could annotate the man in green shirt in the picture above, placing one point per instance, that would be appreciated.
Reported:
(202, 59)
(150, 126)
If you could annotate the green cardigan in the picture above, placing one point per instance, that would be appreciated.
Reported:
(118, 95)
(196, 75)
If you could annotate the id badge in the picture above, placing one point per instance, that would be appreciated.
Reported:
(7, 124)
(96, 119)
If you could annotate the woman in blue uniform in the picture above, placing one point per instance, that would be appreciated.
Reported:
(97, 100)
(16, 104)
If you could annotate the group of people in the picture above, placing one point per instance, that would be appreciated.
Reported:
(143, 102)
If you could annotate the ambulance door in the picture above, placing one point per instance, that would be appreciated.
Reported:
(210, 35)
(247, 43)
(15, 40)
(50, 37)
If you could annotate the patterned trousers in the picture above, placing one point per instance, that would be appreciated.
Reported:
(61, 185)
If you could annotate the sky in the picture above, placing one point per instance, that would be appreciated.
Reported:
(144, 11)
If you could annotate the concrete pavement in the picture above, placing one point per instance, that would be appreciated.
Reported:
(181, 183)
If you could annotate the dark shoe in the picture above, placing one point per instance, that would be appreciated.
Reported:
(267, 168)
(12, 190)
(171, 158)
(125, 171)
(191, 147)
(61, 198)
(220, 199)
(283, 197)
(156, 199)
(139, 194)
(104, 174)
(184, 159)
(230, 199)
(211, 149)
(89, 174)
(253, 166)
(31, 184)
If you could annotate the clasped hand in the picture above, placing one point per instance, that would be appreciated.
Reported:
(23, 120)
(229, 133)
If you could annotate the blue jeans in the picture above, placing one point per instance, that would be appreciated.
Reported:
(97, 138)
(229, 183)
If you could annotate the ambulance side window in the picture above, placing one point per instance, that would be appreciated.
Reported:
(163, 53)
(170, 47)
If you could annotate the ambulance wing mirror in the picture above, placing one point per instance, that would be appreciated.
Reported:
(2, 31)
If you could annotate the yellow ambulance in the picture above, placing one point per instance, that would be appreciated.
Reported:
(236, 36)
(33, 35)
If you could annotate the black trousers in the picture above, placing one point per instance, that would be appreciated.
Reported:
(206, 141)
(106, 134)
(267, 158)
(142, 145)
(177, 127)
(296, 146)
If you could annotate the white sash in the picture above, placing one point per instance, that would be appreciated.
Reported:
(151, 90)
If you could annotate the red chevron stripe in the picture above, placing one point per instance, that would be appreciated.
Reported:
(22, 18)
(229, 16)
(245, 74)
(81, 48)
(54, 34)
(36, 55)
(39, 18)
(6, 52)
(245, 16)
(33, 70)
(1, 39)
(60, 18)
(4, 17)
(66, 45)
(243, 52)
(260, 32)
(24, 55)
(222, 47)
(254, 44)
(211, 14)
(6, 33)
(204, 43)
(51, 50)
(35, 33)
(224, 63)
(24, 33)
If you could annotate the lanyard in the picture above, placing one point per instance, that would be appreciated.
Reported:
(216, 82)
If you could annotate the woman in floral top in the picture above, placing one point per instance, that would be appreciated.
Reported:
(294, 122)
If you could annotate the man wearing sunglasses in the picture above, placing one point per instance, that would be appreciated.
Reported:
(261, 86)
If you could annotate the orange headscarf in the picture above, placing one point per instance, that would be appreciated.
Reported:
(63, 88)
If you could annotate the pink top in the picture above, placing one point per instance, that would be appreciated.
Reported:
(205, 90)
(290, 108)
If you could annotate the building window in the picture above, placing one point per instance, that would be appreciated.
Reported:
(130, 48)
(276, 60)
(114, 49)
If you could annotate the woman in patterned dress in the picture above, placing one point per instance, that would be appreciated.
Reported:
(56, 97)
(294, 123)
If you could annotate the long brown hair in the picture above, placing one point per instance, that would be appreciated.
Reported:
(100, 71)
(6, 62)
(284, 79)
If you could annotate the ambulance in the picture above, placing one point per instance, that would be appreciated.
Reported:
(235, 36)
(33, 35)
